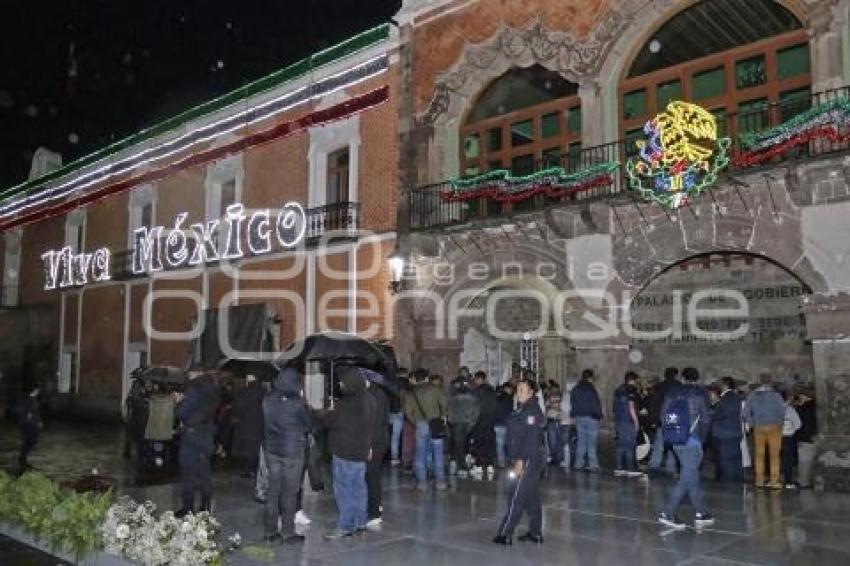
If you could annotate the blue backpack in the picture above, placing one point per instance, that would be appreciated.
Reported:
(676, 422)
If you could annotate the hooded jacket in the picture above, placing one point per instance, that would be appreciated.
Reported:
(351, 422)
(286, 419)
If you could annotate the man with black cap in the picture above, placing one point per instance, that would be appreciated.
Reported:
(525, 457)
(195, 409)
(286, 423)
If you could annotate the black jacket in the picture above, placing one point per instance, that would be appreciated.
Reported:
(506, 407)
(489, 408)
(197, 409)
(656, 399)
(726, 417)
(584, 401)
(247, 415)
(350, 424)
(525, 434)
(286, 419)
(380, 423)
(808, 420)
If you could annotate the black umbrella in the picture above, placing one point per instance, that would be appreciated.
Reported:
(263, 370)
(380, 379)
(164, 374)
(336, 347)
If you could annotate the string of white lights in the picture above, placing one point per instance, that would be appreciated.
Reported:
(324, 87)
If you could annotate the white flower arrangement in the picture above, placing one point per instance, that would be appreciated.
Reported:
(133, 531)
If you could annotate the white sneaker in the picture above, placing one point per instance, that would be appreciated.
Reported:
(477, 472)
(469, 460)
(491, 472)
(620, 473)
(301, 518)
(375, 524)
(634, 474)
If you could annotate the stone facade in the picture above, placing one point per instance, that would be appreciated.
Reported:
(786, 218)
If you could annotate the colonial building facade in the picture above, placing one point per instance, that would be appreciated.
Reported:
(560, 182)
(282, 193)
(531, 240)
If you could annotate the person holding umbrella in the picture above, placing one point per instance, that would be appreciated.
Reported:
(350, 432)
(248, 424)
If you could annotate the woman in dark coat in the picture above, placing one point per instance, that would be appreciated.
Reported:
(248, 423)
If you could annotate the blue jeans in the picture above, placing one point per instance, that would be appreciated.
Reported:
(501, 434)
(690, 458)
(626, 445)
(588, 432)
(428, 451)
(657, 455)
(396, 425)
(350, 494)
(555, 441)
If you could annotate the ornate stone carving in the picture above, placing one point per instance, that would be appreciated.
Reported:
(560, 51)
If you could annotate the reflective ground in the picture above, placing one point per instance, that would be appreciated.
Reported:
(589, 519)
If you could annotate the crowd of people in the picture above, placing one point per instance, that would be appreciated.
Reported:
(465, 428)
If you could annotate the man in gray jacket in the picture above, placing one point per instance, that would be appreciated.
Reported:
(764, 411)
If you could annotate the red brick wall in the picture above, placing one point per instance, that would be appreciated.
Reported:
(439, 43)
(102, 341)
(328, 283)
(173, 315)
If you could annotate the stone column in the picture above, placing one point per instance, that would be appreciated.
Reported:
(825, 46)
(828, 327)
(592, 114)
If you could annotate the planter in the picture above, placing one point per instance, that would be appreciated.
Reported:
(96, 559)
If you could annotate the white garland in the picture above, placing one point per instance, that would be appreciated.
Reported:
(133, 531)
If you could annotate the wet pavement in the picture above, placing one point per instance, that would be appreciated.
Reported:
(589, 519)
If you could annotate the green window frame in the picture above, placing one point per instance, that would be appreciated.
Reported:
(709, 83)
(634, 104)
(793, 61)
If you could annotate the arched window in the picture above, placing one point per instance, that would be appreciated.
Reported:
(525, 119)
(747, 61)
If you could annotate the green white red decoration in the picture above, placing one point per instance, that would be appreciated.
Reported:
(828, 122)
(554, 182)
(680, 157)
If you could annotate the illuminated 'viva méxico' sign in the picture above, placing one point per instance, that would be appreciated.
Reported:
(161, 247)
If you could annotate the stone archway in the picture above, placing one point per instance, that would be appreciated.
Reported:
(757, 326)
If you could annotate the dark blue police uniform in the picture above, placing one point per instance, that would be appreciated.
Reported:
(525, 443)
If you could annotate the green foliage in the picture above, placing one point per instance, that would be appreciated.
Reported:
(258, 552)
(68, 521)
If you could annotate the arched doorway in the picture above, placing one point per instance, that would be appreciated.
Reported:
(514, 331)
(773, 342)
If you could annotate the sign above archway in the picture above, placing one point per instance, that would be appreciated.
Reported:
(680, 157)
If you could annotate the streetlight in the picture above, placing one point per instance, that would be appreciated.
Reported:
(396, 265)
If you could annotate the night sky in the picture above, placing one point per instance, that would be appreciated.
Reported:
(78, 74)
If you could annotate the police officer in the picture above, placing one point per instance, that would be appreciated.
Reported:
(525, 456)
(196, 412)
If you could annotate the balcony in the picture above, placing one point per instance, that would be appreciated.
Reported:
(430, 209)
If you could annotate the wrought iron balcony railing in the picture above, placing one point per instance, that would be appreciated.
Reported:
(430, 209)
